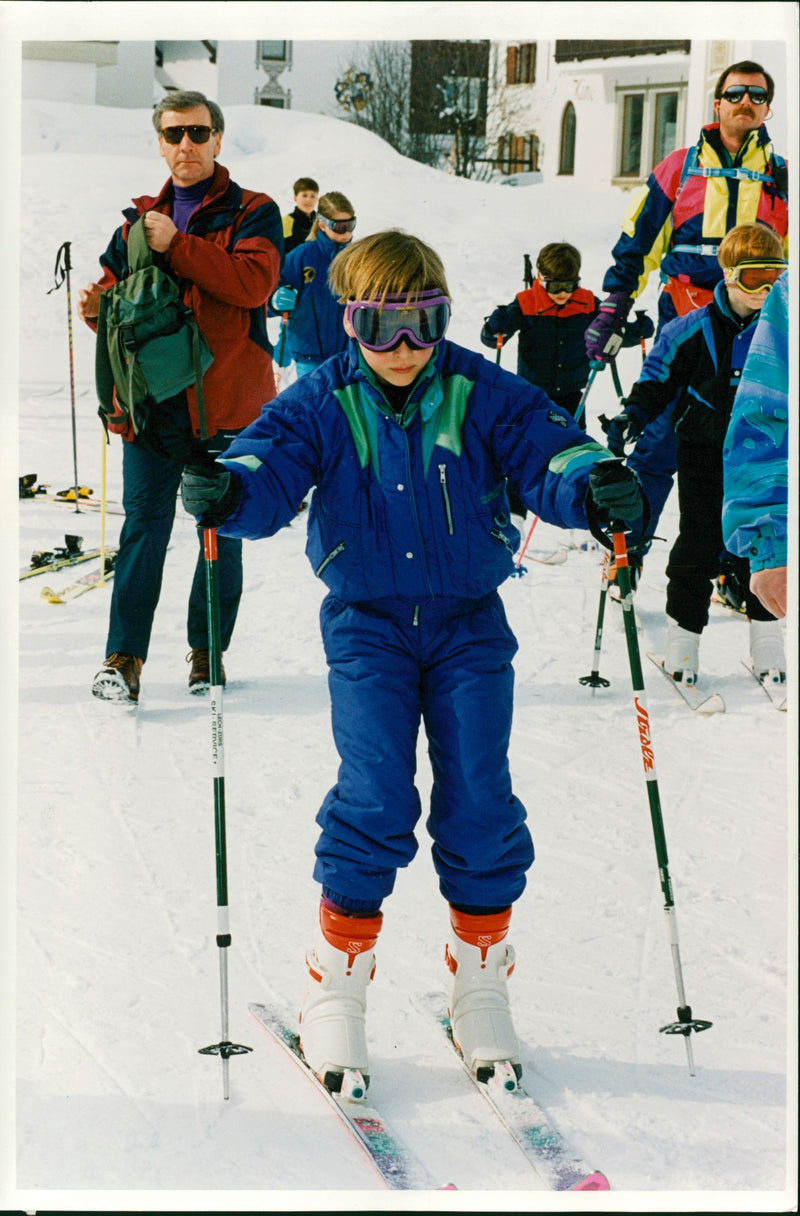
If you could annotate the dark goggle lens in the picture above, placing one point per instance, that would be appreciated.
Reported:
(340, 226)
(755, 278)
(198, 135)
(555, 286)
(737, 91)
(383, 329)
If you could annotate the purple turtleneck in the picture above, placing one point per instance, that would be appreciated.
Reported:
(187, 199)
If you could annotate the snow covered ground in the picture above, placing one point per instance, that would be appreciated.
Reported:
(117, 968)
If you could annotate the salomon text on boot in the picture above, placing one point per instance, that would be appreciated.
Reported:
(480, 963)
(332, 1017)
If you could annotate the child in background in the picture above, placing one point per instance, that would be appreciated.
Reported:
(409, 440)
(297, 225)
(698, 359)
(315, 329)
(552, 317)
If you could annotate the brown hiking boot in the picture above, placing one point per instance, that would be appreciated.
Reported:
(118, 678)
(200, 671)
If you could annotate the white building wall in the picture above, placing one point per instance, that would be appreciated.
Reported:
(130, 82)
(45, 80)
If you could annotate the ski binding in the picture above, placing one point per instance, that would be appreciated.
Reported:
(702, 702)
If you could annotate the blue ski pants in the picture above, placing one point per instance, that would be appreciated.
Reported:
(151, 475)
(392, 666)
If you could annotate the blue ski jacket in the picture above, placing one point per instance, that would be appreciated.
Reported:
(412, 506)
(316, 329)
(756, 450)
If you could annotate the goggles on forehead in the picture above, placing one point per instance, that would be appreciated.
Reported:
(198, 135)
(755, 275)
(340, 226)
(381, 326)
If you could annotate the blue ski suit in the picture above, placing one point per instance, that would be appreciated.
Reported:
(316, 328)
(409, 527)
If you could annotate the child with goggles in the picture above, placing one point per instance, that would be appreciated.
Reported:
(552, 316)
(408, 441)
(697, 362)
(312, 318)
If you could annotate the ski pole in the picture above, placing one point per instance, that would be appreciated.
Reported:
(595, 367)
(500, 340)
(225, 1048)
(685, 1023)
(615, 378)
(63, 267)
(595, 680)
(103, 509)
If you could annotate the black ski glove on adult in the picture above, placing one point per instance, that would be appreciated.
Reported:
(210, 492)
(614, 495)
(623, 428)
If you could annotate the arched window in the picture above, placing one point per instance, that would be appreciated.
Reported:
(566, 161)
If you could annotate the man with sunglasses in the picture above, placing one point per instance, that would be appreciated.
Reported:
(676, 225)
(224, 245)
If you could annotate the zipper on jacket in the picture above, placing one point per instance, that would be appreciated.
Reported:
(415, 616)
(326, 561)
(448, 506)
(501, 536)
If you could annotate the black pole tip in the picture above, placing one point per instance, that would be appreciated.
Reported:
(224, 1049)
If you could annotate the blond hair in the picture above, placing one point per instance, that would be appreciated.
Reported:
(327, 207)
(749, 242)
(390, 263)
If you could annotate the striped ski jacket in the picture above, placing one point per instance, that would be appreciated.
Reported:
(690, 201)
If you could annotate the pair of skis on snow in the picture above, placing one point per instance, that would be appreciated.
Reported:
(545, 1149)
(701, 701)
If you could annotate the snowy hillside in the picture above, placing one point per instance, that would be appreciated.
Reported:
(117, 968)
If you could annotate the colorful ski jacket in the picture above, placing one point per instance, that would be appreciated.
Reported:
(296, 227)
(316, 329)
(551, 351)
(756, 450)
(698, 359)
(691, 200)
(227, 264)
(412, 506)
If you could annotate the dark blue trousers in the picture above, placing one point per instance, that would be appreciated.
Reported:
(151, 475)
(392, 666)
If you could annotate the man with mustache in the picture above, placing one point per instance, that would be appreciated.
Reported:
(691, 200)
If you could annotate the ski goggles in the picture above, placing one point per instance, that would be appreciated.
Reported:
(381, 326)
(736, 92)
(556, 286)
(754, 276)
(340, 226)
(198, 135)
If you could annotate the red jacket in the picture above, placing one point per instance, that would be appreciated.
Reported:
(228, 264)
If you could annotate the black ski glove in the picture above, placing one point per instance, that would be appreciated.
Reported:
(210, 492)
(623, 428)
(614, 495)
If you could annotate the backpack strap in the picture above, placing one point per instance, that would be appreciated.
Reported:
(104, 377)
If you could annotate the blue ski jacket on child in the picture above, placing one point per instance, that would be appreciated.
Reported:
(410, 529)
(316, 329)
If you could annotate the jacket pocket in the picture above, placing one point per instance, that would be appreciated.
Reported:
(329, 557)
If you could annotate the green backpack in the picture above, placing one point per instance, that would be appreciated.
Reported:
(149, 346)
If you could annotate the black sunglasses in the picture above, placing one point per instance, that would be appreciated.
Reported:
(198, 135)
(737, 91)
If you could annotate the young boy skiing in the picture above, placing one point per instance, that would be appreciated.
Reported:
(698, 359)
(552, 316)
(408, 440)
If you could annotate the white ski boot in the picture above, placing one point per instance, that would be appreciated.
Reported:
(332, 1025)
(767, 651)
(681, 653)
(477, 999)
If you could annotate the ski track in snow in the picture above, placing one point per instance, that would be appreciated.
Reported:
(118, 979)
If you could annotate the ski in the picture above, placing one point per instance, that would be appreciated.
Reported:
(395, 1164)
(43, 561)
(81, 585)
(775, 690)
(702, 702)
(532, 1129)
